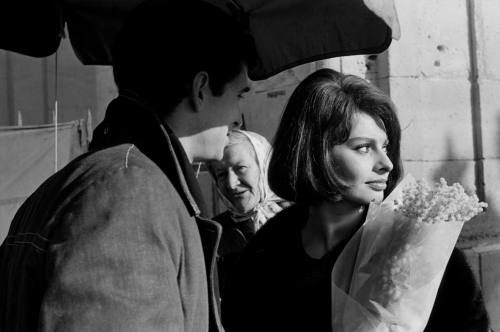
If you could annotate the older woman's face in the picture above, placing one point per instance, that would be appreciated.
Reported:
(238, 176)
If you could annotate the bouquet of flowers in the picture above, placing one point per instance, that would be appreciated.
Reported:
(388, 275)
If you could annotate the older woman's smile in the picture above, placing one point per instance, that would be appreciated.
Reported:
(237, 194)
(238, 177)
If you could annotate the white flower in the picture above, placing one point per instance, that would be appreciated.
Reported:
(446, 203)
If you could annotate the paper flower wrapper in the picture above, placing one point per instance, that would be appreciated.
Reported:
(388, 275)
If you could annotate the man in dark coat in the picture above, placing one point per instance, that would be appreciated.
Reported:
(117, 240)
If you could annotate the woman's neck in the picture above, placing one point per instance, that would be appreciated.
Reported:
(330, 223)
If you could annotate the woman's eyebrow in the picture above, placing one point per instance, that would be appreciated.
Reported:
(360, 138)
(364, 138)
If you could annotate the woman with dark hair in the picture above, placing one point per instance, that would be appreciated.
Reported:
(336, 150)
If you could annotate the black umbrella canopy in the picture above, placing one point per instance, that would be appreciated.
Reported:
(30, 27)
(287, 32)
(292, 32)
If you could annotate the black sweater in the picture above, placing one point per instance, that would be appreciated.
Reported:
(276, 286)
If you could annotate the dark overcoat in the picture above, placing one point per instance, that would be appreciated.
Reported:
(114, 241)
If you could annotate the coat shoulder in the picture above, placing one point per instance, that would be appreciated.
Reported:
(117, 157)
(125, 159)
(120, 175)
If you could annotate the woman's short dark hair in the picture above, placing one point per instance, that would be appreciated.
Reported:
(319, 116)
(164, 44)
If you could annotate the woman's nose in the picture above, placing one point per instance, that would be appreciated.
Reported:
(232, 180)
(384, 163)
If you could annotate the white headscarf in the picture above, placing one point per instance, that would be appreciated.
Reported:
(267, 206)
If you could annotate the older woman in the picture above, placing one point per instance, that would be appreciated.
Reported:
(336, 150)
(241, 179)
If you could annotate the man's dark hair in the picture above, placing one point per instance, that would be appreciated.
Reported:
(164, 44)
(319, 116)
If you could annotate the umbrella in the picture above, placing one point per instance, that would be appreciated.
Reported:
(287, 32)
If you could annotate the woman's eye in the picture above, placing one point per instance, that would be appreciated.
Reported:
(240, 97)
(386, 149)
(240, 168)
(363, 149)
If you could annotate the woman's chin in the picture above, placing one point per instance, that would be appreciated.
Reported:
(364, 201)
(240, 208)
(243, 208)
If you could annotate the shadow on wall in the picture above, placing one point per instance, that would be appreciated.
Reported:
(484, 229)
(452, 169)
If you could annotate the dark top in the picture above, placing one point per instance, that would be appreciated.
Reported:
(235, 236)
(246, 227)
(276, 286)
(310, 284)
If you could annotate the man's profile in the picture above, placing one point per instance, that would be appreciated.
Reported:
(117, 240)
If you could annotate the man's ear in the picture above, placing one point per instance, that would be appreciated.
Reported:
(200, 90)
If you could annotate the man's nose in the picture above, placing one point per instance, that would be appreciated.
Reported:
(236, 125)
(239, 120)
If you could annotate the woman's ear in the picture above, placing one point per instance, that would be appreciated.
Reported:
(200, 89)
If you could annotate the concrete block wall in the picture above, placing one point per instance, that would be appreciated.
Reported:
(435, 75)
(444, 76)
(486, 43)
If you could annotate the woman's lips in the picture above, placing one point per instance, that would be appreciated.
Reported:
(377, 185)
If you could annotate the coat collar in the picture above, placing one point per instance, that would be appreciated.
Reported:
(128, 119)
